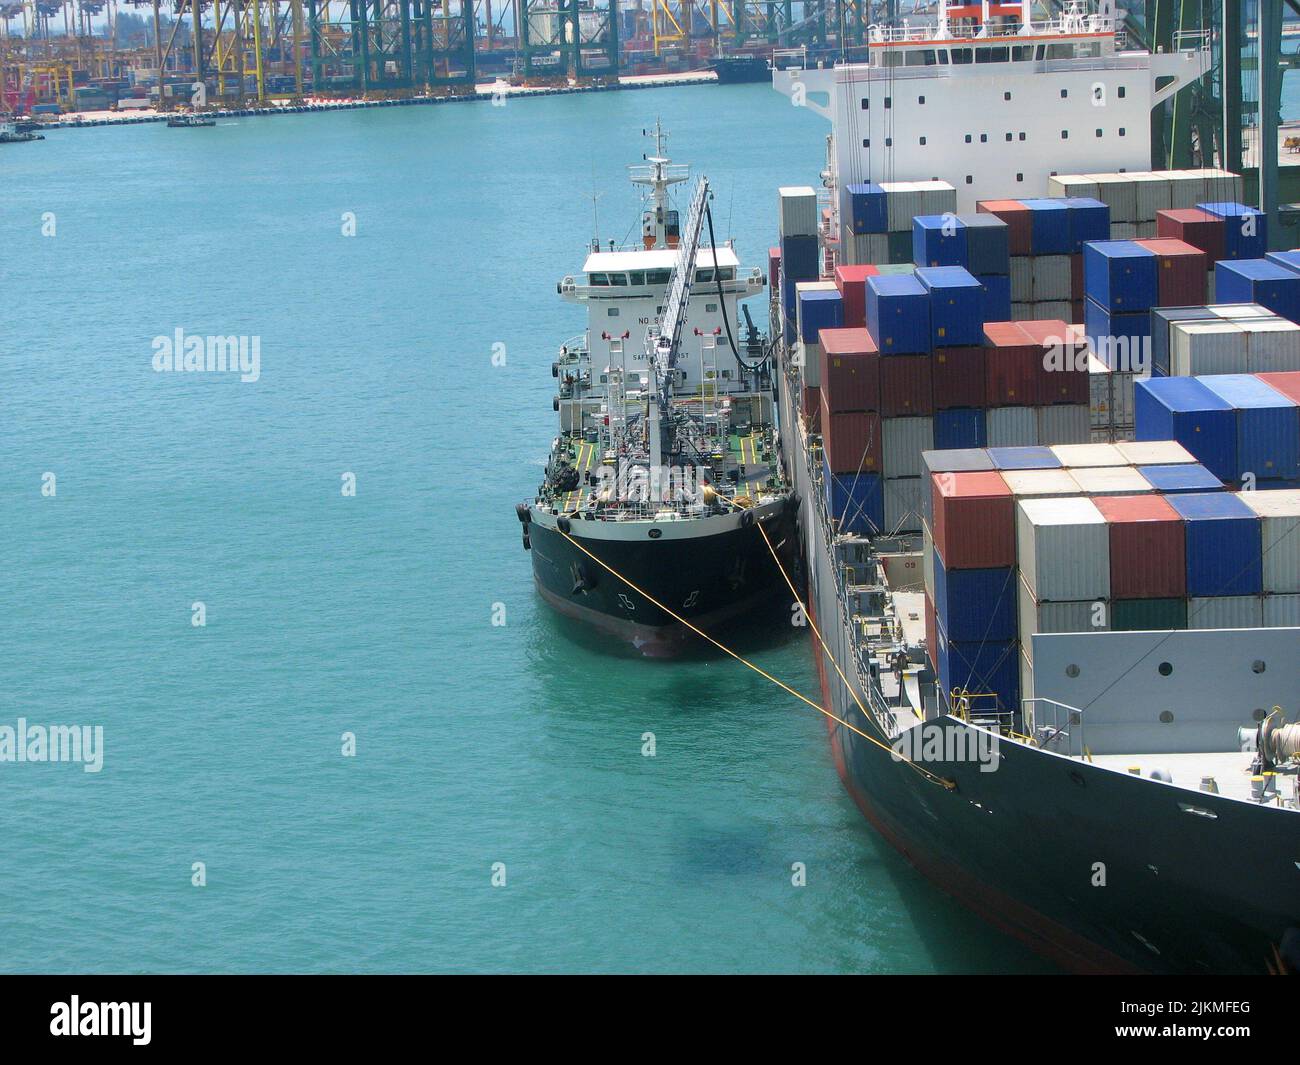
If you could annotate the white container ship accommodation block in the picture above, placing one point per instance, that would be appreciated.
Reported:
(971, 110)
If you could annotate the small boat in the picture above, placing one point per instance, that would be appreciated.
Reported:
(190, 119)
(11, 134)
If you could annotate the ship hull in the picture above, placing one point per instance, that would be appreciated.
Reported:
(1098, 870)
(709, 578)
(742, 70)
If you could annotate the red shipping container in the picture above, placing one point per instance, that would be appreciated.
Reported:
(1076, 311)
(850, 366)
(974, 520)
(852, 283)
(1147, 552)
(1062, 362)
(851, 441)
(1180, 271)
(958, 377)
(1198, 228)
(906, 386)
(1287, 383)
(1077, 292)
(1012, 366)
(1019, 220)
(811, 405)
(773, 267)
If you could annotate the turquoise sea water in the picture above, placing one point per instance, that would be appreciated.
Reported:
(476, 744)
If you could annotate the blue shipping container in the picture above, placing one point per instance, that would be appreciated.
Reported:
(1223, 544)
(1120, 275)
(975, 604)
(818, 311)
(1024, 458)
(1183, 409)
(980, 667)
(1049, 227)
(1289, 259)
(856, 501)
(1245, 231)
(988, 245)
(956, 306)
(1184, 477)
(1259, 281)
(898, 314)
(1089, 220)
(868, 209)
(1268, 426)
(800, 258)
(997, 297)
(1121, 341)
(938, 240)
(959, 428)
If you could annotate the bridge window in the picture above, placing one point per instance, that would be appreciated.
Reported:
(703, 276)
(961, 56)
(618, 279)
(1060, 51)
(638, 277)
(1022, 52)
(999, 54)
(922, 57)
(598, 279)
(657, 277)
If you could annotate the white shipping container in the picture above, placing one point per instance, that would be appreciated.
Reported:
(1281, 611)
(1063, 546)
(1198, 348)
(1279, 513)
(1146, 230)
(808, 357)
(1064, 423)
(902, 202)
(1082, 455)
(1117, 192)
(866, 250)
(1154, 452)
(1059, 185)
(1049, 309)
(904, 497)
(1022, 278)
(1027, 690)
(927, 561)
(1024, 312)
(1124, 231)
(1051, 278)
(937, 197)
(1152, 194)
(1011, 427)
(1236, 311)
(798, 211)
(1112, 481)
(903, 440)
(1185, 187)
(1025, 483)
(1272, 345)
(1219, 186)
(1035, 617)
(1225, 612)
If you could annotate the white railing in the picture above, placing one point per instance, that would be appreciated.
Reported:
(1059, 27)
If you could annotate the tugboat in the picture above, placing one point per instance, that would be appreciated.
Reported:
(11, 134)
(663, 503)
(190, 120)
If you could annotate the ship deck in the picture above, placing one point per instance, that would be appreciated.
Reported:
(745, 449)
(1230, 769)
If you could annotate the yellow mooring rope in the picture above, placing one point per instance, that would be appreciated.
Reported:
(758, 669)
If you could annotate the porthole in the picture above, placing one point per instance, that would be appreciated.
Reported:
(656, 533)
(1071, 670)
(1258, 666)
(1166, 717)
(1164, 669)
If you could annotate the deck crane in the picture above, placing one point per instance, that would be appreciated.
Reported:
(662, 341)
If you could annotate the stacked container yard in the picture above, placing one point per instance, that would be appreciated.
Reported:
(818, 306)
(980, 243)
(1088, 538)
(1046, 239)
(876, 219)
(1227, 338)
(1244, 428)
(849, 420)
(1136, 198)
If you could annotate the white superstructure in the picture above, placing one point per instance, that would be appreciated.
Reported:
(992, 102)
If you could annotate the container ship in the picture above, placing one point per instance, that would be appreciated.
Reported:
(664, 510)
(1041, 408)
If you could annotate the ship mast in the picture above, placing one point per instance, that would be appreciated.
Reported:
(657, 175)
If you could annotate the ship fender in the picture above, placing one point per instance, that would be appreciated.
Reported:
(747, 520)
(563, 525)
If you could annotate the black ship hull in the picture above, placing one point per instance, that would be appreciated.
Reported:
(1100, 871)
(741, 69)
(708, 579)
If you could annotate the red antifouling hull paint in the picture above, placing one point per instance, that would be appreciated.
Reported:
(852, 283)
(1198, 228)
(1147, 547)
(906, 386)
(958, 377)
(1019, 220)
(974, 520)
(1180, 271)
(850, 366)
(851, 440)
